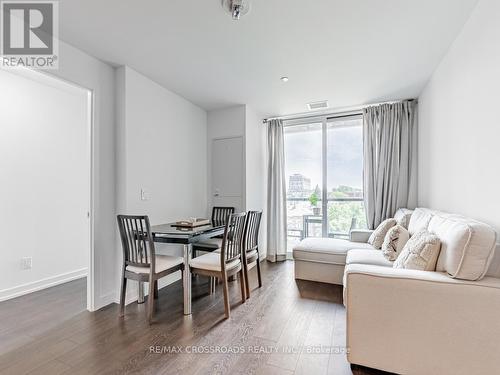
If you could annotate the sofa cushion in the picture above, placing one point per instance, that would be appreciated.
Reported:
(395, 239)
(419, 220)
(377, 237)
(467, 245)
(326, 250)
(420, 252)
(403, 216)
(366, 256)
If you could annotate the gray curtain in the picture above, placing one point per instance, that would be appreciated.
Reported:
(390, 159)
(276, 192)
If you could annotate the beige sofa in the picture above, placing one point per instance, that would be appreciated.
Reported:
(324, 259)
(418, 322)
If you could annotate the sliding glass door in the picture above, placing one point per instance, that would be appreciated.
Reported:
(344, 176)
(304, 175)
(324, 172)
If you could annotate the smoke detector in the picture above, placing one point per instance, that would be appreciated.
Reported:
(236, 8)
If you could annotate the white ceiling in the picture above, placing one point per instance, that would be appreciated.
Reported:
(349, 52)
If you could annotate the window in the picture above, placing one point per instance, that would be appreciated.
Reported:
(324, 173)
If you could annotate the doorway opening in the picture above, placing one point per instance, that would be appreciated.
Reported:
(46, 191)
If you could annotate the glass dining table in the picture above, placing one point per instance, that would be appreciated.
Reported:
(172, 234)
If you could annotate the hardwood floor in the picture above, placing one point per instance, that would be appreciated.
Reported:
(283, 314)
(24, 318)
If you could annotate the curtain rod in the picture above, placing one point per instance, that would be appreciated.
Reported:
(340, 112)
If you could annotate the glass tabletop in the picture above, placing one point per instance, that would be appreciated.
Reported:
(171, 230)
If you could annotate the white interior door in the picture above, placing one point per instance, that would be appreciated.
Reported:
(227, 172)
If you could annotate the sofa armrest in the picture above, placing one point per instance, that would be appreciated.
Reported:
(360, 235)
(420, 322)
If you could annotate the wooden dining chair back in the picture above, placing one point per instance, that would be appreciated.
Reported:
(232, 241)
(137, 241)
(226, 263)
(220, 215)
(140, 262)
(251, 246)
(252, 230)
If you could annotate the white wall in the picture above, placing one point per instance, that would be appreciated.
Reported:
(161, 149)
(82, 69)
(45, 189)
(256, 169)
(459, 128)
(243, 121)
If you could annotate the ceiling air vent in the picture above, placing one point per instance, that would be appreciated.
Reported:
(314, 106)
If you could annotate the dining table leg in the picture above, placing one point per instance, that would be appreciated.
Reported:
(140, 287)
(186, 279)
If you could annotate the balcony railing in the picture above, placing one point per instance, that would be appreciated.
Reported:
(353, 199)
(343, 214)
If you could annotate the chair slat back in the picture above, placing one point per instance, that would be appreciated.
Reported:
(232, 241)
(137, 240)
(251, 237)
(220, 215)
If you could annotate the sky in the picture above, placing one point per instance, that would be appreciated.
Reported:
(345, 155)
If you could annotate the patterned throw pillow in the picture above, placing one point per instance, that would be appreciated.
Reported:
(395, 239)
(420, 252)
(377, 237)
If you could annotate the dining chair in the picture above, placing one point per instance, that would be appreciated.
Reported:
(251, 247)
(219, 218)
(140, 261)
(227, 263)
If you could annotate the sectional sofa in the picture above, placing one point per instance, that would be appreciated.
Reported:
(416, 322)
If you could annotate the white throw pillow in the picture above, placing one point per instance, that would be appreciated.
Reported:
(420, 252)
(395, 240)
(403, 216)
(377, 237)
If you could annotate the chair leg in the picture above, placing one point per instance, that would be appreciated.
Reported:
(156, 289)
(226, 295)
(122, 296)
(259, 277)
(211, 282)
(151, 300)
(247, 284)
(241, 276)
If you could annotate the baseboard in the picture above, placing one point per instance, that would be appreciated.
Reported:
(276, 258)
(35, 286)
(104, 300)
